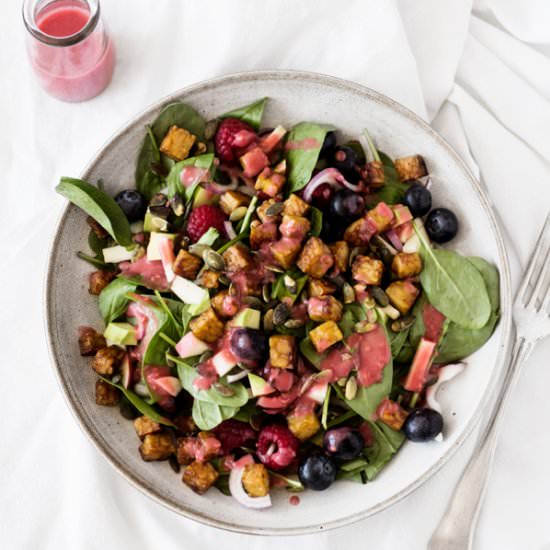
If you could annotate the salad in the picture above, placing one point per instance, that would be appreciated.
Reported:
(278, 311)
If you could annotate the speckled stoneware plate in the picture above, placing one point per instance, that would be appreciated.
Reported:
(294, 97)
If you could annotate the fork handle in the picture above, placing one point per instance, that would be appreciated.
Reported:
(457, 526)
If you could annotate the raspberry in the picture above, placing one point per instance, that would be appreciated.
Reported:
(233, 434)
(226, 135)
(203, 218)
(277, 447)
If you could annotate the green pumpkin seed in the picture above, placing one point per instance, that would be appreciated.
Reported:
(210, 129)
(355, 251)
(116, 379)
(253, 301)
(280, 314)
(238, 214)
(160, 199)
(349, 293)
(213, 260)
(274, 268)
(274, 209)
(177, 205)
(351, 388)
(364, 326)
(294, 323)
(141, 389)
(268, 320)
(222, 389)
(380, 296)
(224, 279)
(205, 356)
(290, 284)
(339, 281)
(198, 249)
(403, 324)
(266, 292)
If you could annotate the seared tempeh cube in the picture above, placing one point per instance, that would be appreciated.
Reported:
(270, 182)
(406, 265)
(381, 216)
(285, 251)
(207, 326)
(99, 231)
(325, 335)
(402, 295)
(107, 360)
(185, 425)
(320, 287)
(375, 172)
(316, 258)
(282, 351)
(90, 341)
(360, 231)
(105, 394)
(326, 308)
(262, 233)
(200, 476)
(294, 227)
(237, 258)
(209, 278)
(186, 265)
(295, 206)
(411, 168)
(340, 251)
(256, 480)
(204, 447)
(145, 426)
(158, 446)
(231, 200)
(367, 270)
(98, 280)
(261, 211)
(303, 424)
(177, 143)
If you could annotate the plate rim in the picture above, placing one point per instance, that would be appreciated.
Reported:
(505, 321)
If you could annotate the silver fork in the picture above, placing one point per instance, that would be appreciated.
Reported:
(531, 313)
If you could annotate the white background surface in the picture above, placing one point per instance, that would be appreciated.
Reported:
(480, 73)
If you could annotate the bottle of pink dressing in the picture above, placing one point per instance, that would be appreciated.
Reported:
(69, 48)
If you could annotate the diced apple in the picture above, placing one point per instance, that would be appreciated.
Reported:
(117, 254)
(259, 386)
(418, 372)
(271, 140)
(170, 384)
(223, 362)
(191, 346)
(187, 291)
(155, 240)
(402, 214)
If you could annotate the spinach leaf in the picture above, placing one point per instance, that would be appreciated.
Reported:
(458, 342)
(97, 245)
(251, 114)
(247, 412)
(316, 221)
(208, 415)
(188, 375)
(310, 353)
(397, 341)
(352, 314)
(279, 289)
(143, 407)
(210, 237)
(303, 147)
(393, 190)
(178, 114)
(173, 180)
(386, 444)
(96, 262)
(453, 285)
(113, 299)
(100, 206)
(155, 353)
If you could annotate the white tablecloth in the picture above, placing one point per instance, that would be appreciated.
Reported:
(480, 73)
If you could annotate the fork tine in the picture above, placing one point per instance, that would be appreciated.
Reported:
(545, 307)
(541, 283)
(521, 294)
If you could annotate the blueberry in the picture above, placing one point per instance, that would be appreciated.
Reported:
(418, 199)
(317, 472)
(423, 425)
(249, 345)
(343, 443)
(441, 225)
(332, 230)
(345, 160)
(328, 144)
(133, 204)
(347, 205)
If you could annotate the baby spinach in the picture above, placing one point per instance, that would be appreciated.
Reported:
(454, 286)
(303, 147)
(179, 114)
(397, 341)
(310, 353)
(155, 353)
(208, 415)
(393, 190)
(458, 342)
(100, 206)
(143, 407)
(97, 245)
(279, 289)
(316, 221)
(351, 315)
(173, 180)
(386, 443)
(188, 375)
(113, 299)
(251, 114)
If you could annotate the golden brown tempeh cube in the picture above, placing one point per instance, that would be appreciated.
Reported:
(262, 233)
(186, 265)
(98, 280)
(145, 426)
(90, 341)
(402, 295)
(294, 227)
(411, 168)
(209, 278)
(281, 351)
(320, 287)
(177, 143)
(256, 480)
(269, 182)
(107, 360)
(375, 172)
(406, 264)
(261, 211)
(105, 394)
(200, 476)
(303, 426)
(325, 335)
(367, 270)
(207, 326)
(340, 250)
(360, 231)
(325, 308)
(316, 258)
(295, 206)
(231, 200)
(158, 446)
(285, 251)
(237, 257)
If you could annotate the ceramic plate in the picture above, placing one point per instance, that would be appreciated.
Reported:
(293, 97)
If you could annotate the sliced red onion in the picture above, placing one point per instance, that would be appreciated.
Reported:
(230, 232)
(246, 190)
(330, 176)
(238, 376)
(446, 373)
(237, 490)
(391, 235)
(219, 189)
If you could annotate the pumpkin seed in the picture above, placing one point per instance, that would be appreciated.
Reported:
(185, 242)
(351, 388)
(280, 314)
(177, 205)
(174, 464)
(116, 379)
(266, 292)
(369, 302)
(403, 324)
(380, 296)
(210, 129)
(341, 382)
(159, 199)
(274, 209)
(253, 301)
(238, 214)
(224, 279)
(364, 326)
(294, 323)
(213, 260)
(349, 293)
(290, 284)
(355, 251)
(339, 281)
(274, 268)
(232, 290)
(141, 389)
(256, 421)
(200, 148)
(307, 384)
(222, 389)
(268, 320)
(205, 356)
(198, 249)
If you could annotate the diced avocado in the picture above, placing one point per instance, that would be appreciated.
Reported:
(153, 249)
(248, 318)
(204, 196)
(116, 254)
(259, 386)
(152, 223)
(122, 334)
